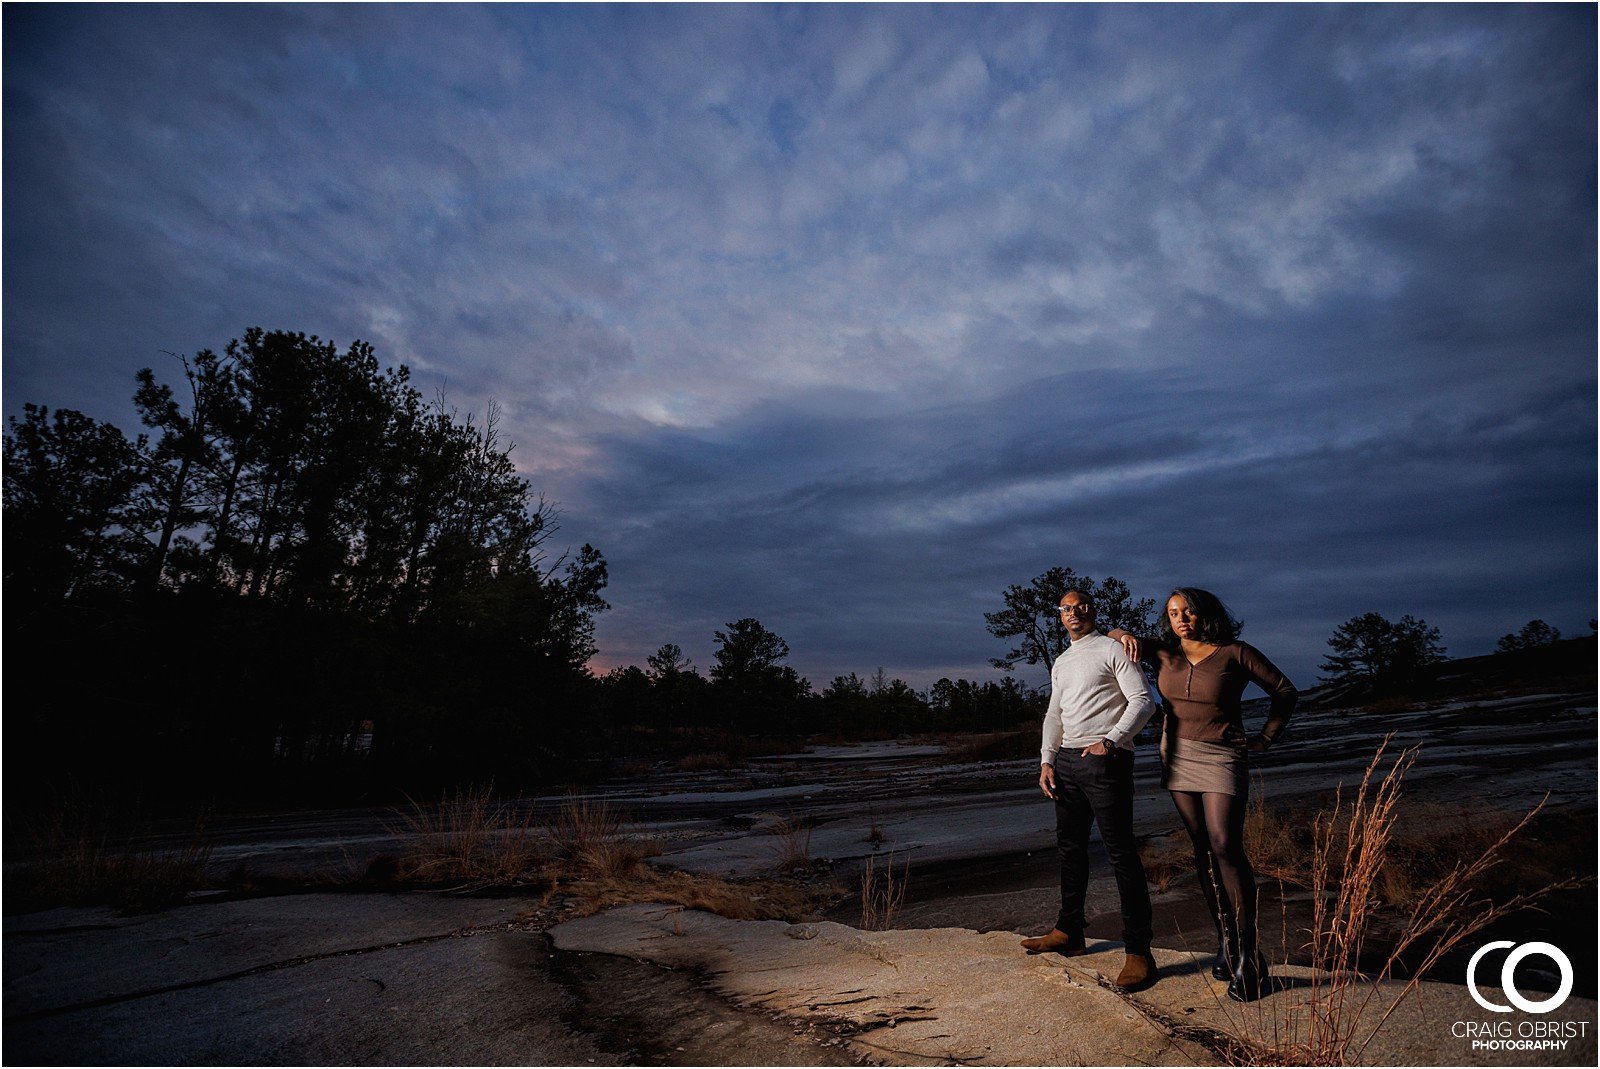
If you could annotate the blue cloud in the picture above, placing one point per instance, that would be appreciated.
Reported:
(846, 317)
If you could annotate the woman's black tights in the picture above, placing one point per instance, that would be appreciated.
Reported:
(1215, 823)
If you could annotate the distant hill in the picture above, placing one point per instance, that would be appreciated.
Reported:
(1568, 666)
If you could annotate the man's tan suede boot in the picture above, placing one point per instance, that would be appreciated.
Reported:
(1061, 942)
(1138, 972)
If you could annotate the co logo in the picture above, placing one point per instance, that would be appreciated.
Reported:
(1507, 981)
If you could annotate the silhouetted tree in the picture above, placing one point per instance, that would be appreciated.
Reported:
(1032, 619)
(346, 564)
(1533, 633)
(754, 687)
(846, 705)
(188, 447)
(679, 692)
(75, 509)
(1371, 647)
(668, 662)
(896, 707)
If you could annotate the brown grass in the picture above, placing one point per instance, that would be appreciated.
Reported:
(1437, 838)
(89, 872)
(1166, 859)
(1351, 851)
(883, 892)
(585, 855)
(1279, 845)
(468, 837)
(1279, 842)
(1429, 841)
(587, 834)
(791, 843)
(85, 858)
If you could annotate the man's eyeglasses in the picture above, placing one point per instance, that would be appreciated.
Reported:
(1076, 610)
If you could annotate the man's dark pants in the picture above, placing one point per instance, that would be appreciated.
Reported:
(1099, 790)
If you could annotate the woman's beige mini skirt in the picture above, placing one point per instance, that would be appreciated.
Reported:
(1208, 767)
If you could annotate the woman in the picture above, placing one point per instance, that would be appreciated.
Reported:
(1201, 670)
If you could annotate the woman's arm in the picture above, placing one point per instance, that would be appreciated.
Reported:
(1282, 693)
(1130, 642)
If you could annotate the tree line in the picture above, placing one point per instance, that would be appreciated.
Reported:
(302, 580)
(749, 692)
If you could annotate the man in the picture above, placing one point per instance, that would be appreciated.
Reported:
(1098, 703)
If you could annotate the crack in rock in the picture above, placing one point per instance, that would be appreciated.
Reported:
(255, 970)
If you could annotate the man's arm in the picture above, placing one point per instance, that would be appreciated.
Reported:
(1050, 740)
(1140, 708)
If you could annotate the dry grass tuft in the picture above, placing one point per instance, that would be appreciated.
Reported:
(1167, 859)
(90, 872)
(1437, 839)
(883, 892)
(588, 835)
(467, 837)
(86, 857)
(791, 842)
(1279, 842)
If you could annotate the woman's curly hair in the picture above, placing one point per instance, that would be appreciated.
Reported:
(1218, 626)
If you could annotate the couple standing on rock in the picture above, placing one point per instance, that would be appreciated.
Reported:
(1098, 704)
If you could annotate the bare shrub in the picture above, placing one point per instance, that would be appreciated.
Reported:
(883, 892)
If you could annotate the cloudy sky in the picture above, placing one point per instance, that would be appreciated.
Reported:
(846, 317)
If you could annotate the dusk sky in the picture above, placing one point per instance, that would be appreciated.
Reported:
(845, 317)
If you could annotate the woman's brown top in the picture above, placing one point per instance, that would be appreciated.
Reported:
(1202, 700)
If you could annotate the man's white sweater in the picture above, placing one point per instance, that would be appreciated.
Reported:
(1096, 692)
